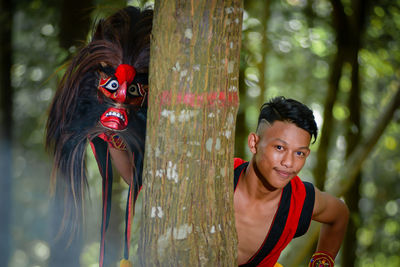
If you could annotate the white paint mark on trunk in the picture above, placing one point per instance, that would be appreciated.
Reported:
(156, 212)
(217, 144)
(160, 213)
(209, 143)
(169, 114)
(212, 231)
(188, 33)
(171, 172)
(153, 212)
(232, 89)
(231, 65)
(182, 231)
(177, 67)
(227, 134)
(160, 173)
(163, 242)
(186, 115)
(229, 10)
(223, 172)
(183, 73)
(230, 119)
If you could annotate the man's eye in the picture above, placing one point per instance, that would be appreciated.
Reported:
(278, 147)
(112, 85)
(301, 154)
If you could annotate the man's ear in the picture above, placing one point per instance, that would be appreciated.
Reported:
(252, 141)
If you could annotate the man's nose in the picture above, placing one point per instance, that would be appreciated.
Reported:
(287, 160)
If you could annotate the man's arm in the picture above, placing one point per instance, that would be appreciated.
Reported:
(123, 162)
(334, 215)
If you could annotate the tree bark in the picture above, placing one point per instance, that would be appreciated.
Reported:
(187, 215)
(6, 124)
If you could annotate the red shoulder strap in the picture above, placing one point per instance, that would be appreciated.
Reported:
(296, 204)
(237, 162)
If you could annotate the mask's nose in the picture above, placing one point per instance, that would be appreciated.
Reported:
(120, 95)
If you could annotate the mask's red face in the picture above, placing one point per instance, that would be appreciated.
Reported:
(123, 89)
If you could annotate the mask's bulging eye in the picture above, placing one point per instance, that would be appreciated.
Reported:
(112, 85)
(133, 90)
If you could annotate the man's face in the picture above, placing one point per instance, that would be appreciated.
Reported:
(280, 153)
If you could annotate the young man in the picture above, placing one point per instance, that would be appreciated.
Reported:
(272, 205)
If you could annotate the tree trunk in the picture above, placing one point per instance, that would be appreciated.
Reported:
(187, 216)
(343, 35)
(353, 136)
(6, 124)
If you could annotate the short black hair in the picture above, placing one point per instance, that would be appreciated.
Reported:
(282, 109)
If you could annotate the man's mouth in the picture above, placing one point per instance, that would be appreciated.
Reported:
(114, 119)
(284, 174)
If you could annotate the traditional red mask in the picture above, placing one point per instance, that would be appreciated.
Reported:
(123, 89)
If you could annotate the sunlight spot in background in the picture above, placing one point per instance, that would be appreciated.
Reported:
(365, 236)
(340, 112)
(391, 208)
(19, 259)
(341, 143)
(369, 189)
(317, 114)
(295, 24)
(46, 94)
(391, 227)
(90, 255)
(36, 74)
(253, 91)
(41, 250)
(47, 30)
(297, 2)
(19, 70)
(321, 70)
(284, 46)
(390, 142)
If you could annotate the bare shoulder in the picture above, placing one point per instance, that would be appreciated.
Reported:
(327, 208)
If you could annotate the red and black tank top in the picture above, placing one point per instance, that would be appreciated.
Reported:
(292, 218)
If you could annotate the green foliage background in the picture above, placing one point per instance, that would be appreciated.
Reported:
(298, 52)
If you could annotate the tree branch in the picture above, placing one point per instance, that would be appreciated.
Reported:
(357, 158)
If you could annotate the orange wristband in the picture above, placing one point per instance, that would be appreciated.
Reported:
(321, 259)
